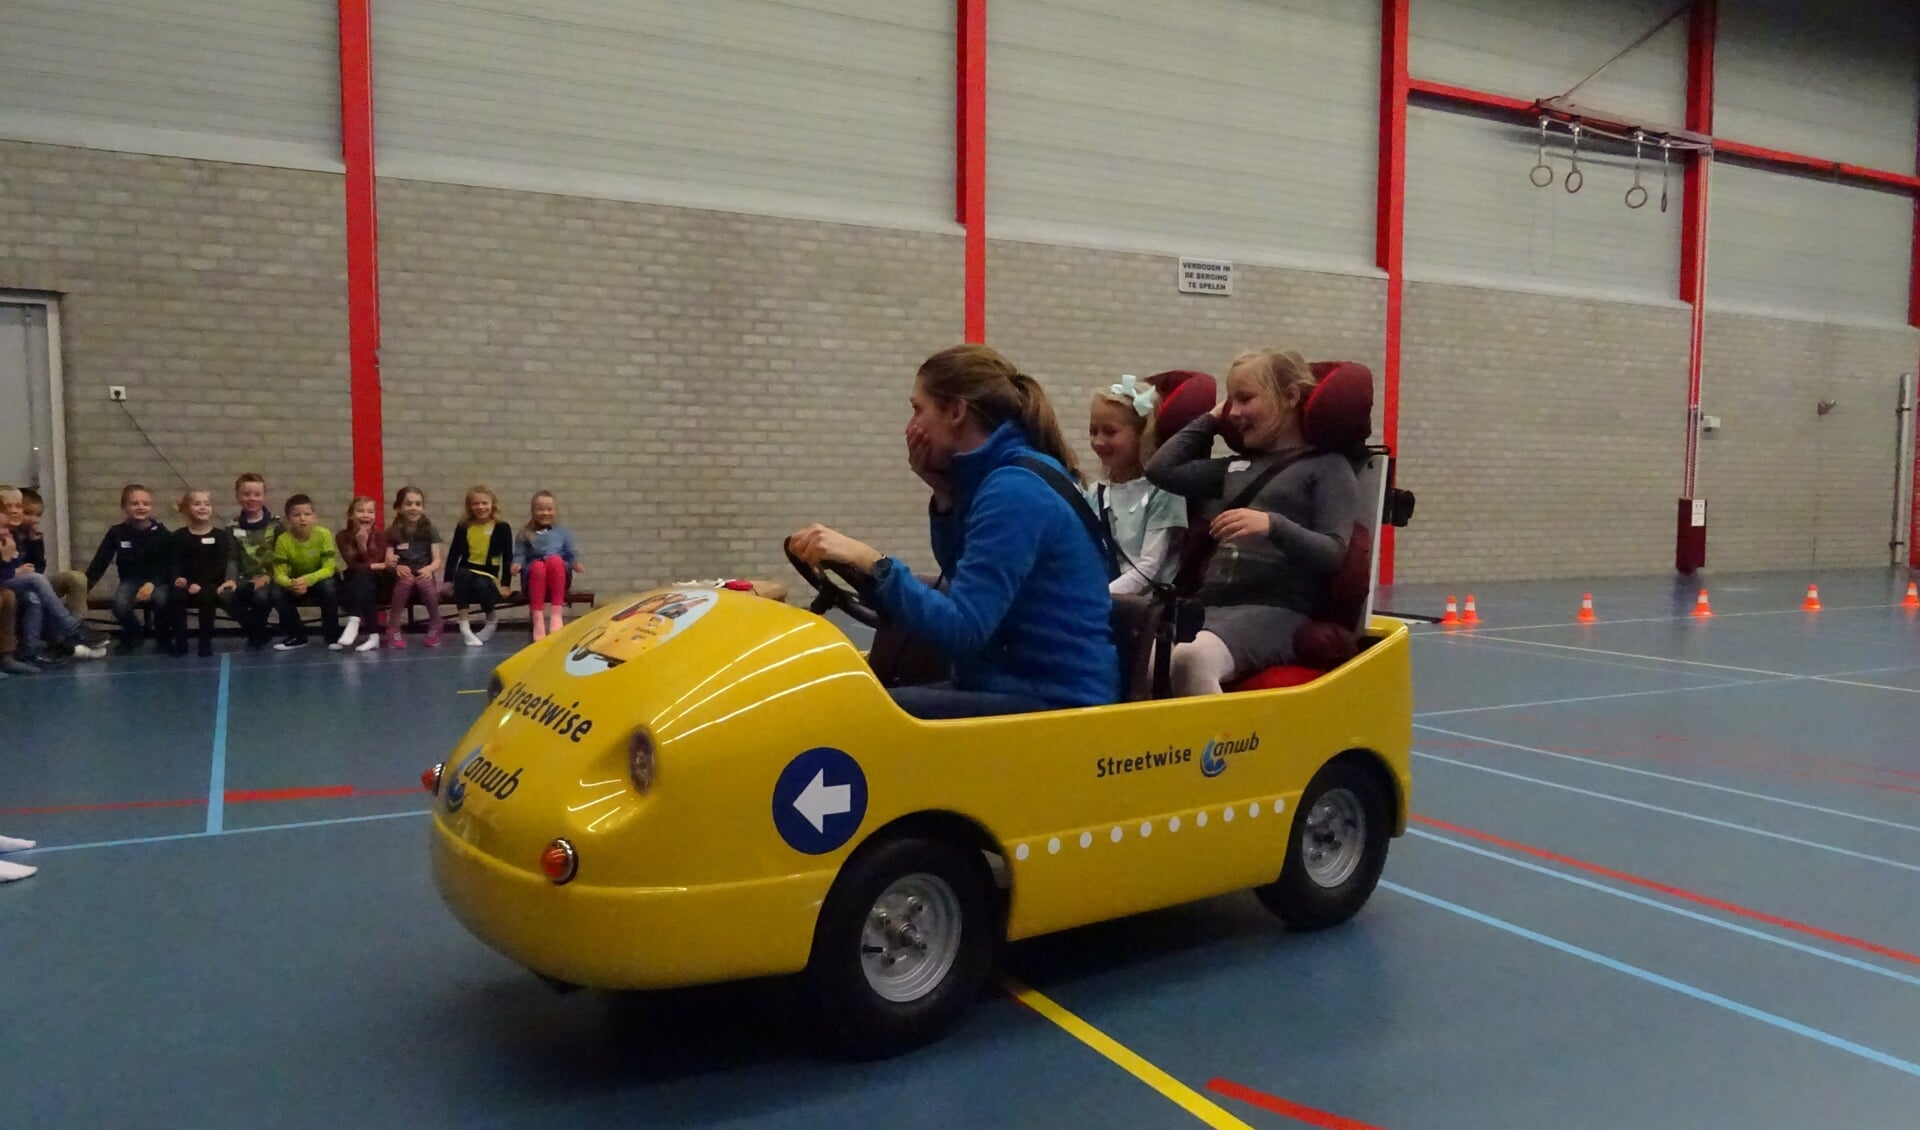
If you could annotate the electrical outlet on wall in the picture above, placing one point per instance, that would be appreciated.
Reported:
(116, 392)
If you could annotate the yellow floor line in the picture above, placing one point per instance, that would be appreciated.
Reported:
(481, 691)
(1188, 1099)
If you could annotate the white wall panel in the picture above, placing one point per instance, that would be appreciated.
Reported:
(1233, 127)
(1529, 49)
(1474, 216)
(834, 108)
(256, 82)
(1827, 79)
(1807, 248)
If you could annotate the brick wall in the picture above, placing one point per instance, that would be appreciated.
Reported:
(696, 384)
(1542, 435)
(214, 292)
(1786, 486)
(1076, 319)
(692, 385)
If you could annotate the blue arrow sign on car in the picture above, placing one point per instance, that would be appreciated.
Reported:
(819, 800)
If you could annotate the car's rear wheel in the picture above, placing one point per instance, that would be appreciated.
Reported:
(1336, 849)
(904, 941)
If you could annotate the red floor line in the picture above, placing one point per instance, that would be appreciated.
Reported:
(1286, 1107)
(324, 792)
(1673, 891)
(233, 796)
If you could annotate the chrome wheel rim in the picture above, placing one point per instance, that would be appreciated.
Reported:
(911, 937)
(1334, 838)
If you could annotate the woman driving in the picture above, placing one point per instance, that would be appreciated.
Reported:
(1023, 618)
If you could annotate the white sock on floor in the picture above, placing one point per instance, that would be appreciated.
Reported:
(466, 634)
(486, 630)
(11, 871)
(14, 843)
(352, 633)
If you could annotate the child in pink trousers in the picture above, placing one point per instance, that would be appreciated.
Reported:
(544, 557)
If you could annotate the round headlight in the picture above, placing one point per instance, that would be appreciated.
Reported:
(640, 759)
(430, 777)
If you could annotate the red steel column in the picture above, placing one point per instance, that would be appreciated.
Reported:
(363, 241)
(1390, 225)
(1913, 317)
(1690, 541)
(972, 173)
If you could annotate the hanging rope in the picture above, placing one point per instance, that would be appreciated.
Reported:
(1656, 29)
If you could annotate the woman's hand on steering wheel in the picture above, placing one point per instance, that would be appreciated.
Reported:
(818, 550)
(818, 545)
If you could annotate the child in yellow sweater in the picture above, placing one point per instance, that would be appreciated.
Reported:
(305, 562)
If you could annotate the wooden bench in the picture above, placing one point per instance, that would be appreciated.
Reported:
(514, 599)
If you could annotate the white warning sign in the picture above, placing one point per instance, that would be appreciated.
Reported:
(1206, 276)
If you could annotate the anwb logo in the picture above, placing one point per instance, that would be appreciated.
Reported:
(490, 777)
(1213, 759)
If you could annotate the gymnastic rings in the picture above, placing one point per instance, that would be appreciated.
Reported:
(1574, 177)
(1638, 138)
(1542, 174)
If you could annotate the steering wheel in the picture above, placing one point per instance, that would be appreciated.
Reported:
(861, 601)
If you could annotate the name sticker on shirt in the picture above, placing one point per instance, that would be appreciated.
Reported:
(1239, 465)
(403, 546)
(206, 541)
(126, 545)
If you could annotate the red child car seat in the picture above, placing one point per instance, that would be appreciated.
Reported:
(1337, 417)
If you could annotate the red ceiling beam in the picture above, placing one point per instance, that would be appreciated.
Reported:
(1795, 162)
(363, 243)
(970, 136)
(1390, 225)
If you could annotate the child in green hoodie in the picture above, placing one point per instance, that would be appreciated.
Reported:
(304, 564)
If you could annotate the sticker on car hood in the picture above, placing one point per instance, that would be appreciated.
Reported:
(636, 629)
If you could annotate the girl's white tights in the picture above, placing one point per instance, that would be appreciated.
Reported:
(1201, 667)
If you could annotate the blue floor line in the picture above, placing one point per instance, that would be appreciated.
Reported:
(1652, 978)
(1681, 813)
(223, 832)
(1735, 927)
(217, 782)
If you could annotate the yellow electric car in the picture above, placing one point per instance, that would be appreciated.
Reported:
(698, 784)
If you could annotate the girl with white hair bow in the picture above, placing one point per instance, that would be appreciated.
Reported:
(1145, 520)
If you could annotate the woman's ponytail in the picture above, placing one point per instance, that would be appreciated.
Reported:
(1042, 428)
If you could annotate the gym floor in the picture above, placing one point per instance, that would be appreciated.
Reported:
(1662, 872)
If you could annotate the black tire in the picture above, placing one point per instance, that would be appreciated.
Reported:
(860, 1017)
(1314, 893)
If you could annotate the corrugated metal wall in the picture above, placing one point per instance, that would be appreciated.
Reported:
(254, 82)
(833, 108)
(1474, 216)
(1212, 127)
(1534, 50)
(1807, 248)
(1832, 79)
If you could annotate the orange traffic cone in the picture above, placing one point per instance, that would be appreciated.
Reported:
(1586, 609)
(1913, 596)
(1469, 616)
(1452, 615)
(1812, 603)
(1701, 609)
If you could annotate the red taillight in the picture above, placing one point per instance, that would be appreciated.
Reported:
(430, 778)
(559, 862)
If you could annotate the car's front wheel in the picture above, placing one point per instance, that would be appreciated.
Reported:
(904, 941)
(1336, 851)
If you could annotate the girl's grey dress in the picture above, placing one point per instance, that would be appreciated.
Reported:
(1259, 591)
